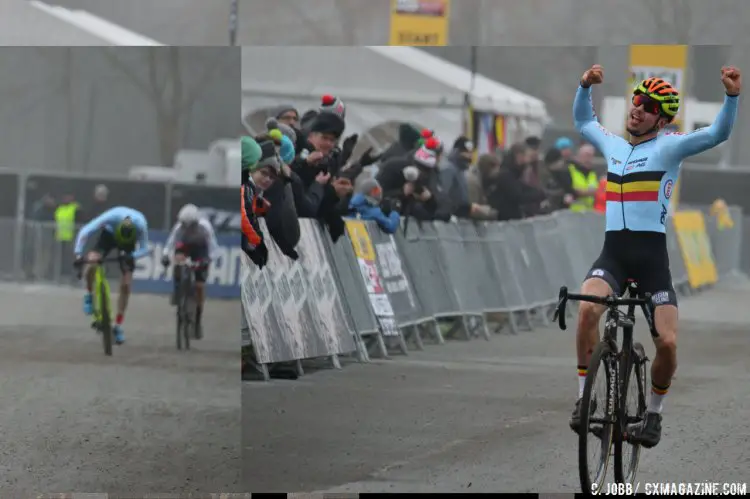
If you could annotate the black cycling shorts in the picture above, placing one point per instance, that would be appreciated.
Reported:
(641, 256)
(106, 243)
(194, 252)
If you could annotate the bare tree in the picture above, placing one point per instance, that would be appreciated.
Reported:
(171, 93)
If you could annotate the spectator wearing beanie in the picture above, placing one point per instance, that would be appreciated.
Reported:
(366, 205)
(316, 165)
(260, 168)
(508, 194)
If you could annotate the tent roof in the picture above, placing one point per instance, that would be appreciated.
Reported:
(36, 23)
(378, 84)
(402, 76)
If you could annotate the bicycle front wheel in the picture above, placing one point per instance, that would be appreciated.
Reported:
(597, 419)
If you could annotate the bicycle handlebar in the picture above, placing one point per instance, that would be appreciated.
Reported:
(610, 301)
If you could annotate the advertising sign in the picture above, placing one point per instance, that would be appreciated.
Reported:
(420, 22)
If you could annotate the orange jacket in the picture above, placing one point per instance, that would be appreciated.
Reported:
(251, 206)
(600, 199)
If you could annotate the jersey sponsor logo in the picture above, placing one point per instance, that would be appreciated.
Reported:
(663, 217)
(636, 163)
(668, 188)
(615, 161)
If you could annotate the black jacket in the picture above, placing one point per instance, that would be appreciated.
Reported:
(508, 194)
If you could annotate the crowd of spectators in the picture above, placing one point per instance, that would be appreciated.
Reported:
(308, 161)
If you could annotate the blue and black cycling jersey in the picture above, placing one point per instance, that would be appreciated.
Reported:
(641, 178)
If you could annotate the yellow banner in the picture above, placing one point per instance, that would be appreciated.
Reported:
(695, 246)
(361, 241)
(663, 61)
(420, 22)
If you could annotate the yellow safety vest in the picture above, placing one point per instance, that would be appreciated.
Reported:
(581, 182)
(65, 220)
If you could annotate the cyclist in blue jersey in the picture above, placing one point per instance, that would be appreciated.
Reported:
(121, 229)
(641, 174)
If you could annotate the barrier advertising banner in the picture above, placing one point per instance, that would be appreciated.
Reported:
(420, 22)
(368, 267)
(695, 247)
(223, 278)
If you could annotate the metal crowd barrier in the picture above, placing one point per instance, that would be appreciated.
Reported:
(373, 293)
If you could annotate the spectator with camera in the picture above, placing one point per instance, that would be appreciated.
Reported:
(412, 183)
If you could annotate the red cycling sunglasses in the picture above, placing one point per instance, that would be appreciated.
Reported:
(650, 105)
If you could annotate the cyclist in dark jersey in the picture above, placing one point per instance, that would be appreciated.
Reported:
(641, 176)
(192, 237)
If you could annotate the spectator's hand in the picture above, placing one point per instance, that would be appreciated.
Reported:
(424, 196)
(348, 146)
(568, 199)
(259, 255)
(368, 158)
(343, 187)
(386, 207)
(315, 157)
(322, 178)
(165, 261)
(732, 80)
(408, 189)
(593, 76)
(286, 171)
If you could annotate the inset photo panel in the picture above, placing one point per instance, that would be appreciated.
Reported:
(120, 270)
(419, 225)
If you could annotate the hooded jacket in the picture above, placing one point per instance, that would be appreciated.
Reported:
(360, 208)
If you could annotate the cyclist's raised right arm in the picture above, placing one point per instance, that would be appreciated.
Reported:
(90, 228)
(586, 123)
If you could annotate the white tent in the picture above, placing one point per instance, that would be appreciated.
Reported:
(379, 85)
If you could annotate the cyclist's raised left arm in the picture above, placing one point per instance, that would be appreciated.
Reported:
(143, 249)
(680, 146)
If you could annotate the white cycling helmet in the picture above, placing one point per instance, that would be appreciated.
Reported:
(188, 214)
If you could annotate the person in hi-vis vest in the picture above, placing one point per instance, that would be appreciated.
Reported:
(584, 179)
(65, 230)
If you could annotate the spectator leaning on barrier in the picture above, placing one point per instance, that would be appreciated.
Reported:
(559, 187)
(320, 164)
(452, 168)
(508, 193)
(477, 177)
(261, 167)
(584, 179)
(367, 204)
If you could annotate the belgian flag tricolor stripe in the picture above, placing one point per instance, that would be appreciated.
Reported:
(638, 186)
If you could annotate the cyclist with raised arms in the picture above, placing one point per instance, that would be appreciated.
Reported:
(641, 174)
(192, 236)
(121, 229)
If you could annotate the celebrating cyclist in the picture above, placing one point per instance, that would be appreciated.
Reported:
(192, 237)
(641, 176)
(124, 230)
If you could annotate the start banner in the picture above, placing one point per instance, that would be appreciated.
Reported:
(223, 278)
(420, 22)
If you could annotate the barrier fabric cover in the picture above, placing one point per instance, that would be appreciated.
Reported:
(695, 247)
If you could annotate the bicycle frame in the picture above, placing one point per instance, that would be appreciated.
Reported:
(101, 283)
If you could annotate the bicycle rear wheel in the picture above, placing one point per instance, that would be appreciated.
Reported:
(597, 429)
(105, 324)
(633, 378)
